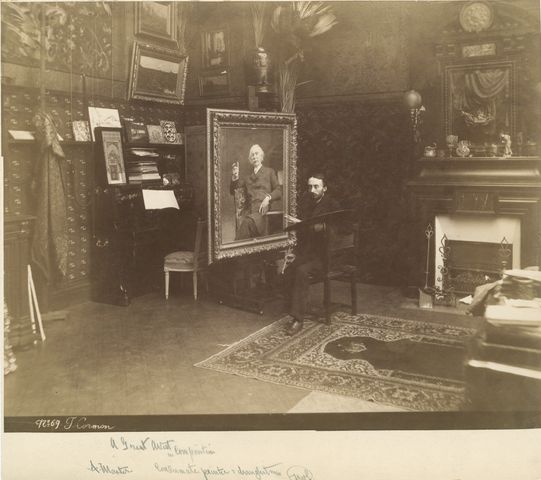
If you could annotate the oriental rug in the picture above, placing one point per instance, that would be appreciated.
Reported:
(408, 364)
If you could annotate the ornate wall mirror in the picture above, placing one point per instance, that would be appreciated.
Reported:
(251, 181)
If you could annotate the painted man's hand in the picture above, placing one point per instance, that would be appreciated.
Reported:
(235, 172)
(264, 207)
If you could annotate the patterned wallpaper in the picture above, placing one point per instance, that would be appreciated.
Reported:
(78, 35)
(365, 151)
(367, 52)
(18, 110)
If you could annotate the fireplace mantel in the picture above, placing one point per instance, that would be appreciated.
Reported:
(487, 172)
(482, 186)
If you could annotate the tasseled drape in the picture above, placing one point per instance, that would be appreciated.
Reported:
(50, 240)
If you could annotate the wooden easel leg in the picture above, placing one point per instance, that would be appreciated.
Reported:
(35, 300)
(327, 300)
(195, 285)
(31, 303)
(353, 286)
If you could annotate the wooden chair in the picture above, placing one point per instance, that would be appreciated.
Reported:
(339, 262)
(188, 261)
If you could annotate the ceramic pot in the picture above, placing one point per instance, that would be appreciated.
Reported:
(261, 65)
(463, 149)
(430, 151)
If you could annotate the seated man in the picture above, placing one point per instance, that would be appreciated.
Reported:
(261, 187)
(310, 251)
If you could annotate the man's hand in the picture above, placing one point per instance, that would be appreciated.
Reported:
(264, 207)
(292, 219)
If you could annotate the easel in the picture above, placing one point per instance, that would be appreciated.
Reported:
(33, 305)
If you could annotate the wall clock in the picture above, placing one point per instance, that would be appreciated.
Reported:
(476, 17)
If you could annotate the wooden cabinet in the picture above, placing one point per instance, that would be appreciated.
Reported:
(130, 242)
(16, 258)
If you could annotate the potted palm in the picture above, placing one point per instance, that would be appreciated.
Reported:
(295, 24)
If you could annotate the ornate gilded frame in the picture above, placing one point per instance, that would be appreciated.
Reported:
(475, 64)
(138, 92)
(170, 35)
(217, 121)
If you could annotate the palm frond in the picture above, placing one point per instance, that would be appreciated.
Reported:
(258, 17)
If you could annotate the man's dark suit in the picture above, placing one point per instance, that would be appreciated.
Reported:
(256, 186)
(308, 256)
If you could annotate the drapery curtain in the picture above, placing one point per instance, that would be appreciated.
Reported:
(49, 248)
(480, 92)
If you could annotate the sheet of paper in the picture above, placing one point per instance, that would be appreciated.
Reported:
(275, 455)
(21, 135)
(103, 117)
(156, 199)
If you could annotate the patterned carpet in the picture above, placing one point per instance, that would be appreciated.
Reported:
(407, 364)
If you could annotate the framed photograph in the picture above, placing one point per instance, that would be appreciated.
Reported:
(214, 84)
(236, 225)
(157, 74)
(215, 48)
(112, 152)
(157, 20)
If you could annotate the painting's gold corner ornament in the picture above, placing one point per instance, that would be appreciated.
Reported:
(476, 16)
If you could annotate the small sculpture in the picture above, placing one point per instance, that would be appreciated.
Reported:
(506, 140)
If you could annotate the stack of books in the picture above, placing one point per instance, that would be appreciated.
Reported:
(504, 365)
(143, 165)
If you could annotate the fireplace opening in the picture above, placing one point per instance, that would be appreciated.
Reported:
(470, 264)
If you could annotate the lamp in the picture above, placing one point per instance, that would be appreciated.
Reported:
(413, 101)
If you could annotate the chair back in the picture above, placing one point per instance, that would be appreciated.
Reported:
(342, 243)
(200, 252)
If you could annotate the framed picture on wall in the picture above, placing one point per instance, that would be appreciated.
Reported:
(214, 84)
(215, 48)
(156, 20)
(157, 74)
(112, 152)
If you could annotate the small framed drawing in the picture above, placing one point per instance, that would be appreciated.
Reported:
(214, 84)
(155, 134)
(112, 153)
(81, 131)
(215, 48)
(157, 74)
(157, 20)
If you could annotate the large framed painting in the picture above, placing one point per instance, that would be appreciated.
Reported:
(157, 74)
(251, 181)
(480, 100)
(156, 20)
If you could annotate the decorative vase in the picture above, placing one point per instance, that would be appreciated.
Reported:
(261, 64)
(463, 149)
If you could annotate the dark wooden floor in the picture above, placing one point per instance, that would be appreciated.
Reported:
(138, 360)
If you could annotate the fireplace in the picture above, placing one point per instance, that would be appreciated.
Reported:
(474, 263)
(476, 249)
(485, 214)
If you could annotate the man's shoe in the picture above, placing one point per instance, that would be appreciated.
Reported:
(294, 328)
